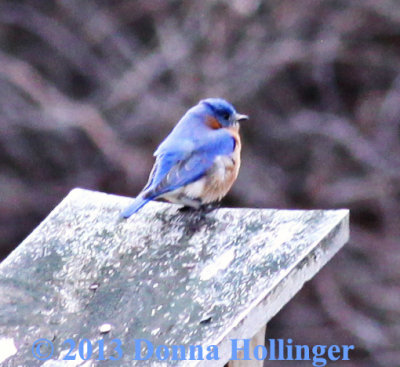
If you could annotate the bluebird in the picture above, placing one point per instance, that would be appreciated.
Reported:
(199, 160)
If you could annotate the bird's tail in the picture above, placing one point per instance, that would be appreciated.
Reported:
(137, 204)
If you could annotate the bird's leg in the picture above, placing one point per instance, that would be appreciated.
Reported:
(186, 209)
(189, 204)
(202, 208)
(208, 208)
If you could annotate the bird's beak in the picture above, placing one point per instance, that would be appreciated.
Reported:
(240, 118)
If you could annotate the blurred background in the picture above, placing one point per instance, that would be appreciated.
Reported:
(88, 89)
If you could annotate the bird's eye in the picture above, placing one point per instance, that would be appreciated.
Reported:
(225, 115)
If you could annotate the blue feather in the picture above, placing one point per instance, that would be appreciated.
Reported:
(137, 204)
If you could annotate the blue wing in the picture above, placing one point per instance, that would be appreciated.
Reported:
(172, 172)
(181, 167)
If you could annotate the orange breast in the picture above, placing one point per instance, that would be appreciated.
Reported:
(224, 172)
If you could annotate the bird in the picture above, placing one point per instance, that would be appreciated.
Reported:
(198, 162)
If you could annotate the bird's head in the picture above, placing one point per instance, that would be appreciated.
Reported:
(222, 113)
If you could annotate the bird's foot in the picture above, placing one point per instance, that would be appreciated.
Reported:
(201, 210)
(208, 208)
(187, 209)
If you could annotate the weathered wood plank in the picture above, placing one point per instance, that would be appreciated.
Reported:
(258, 339)
(162, 275)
